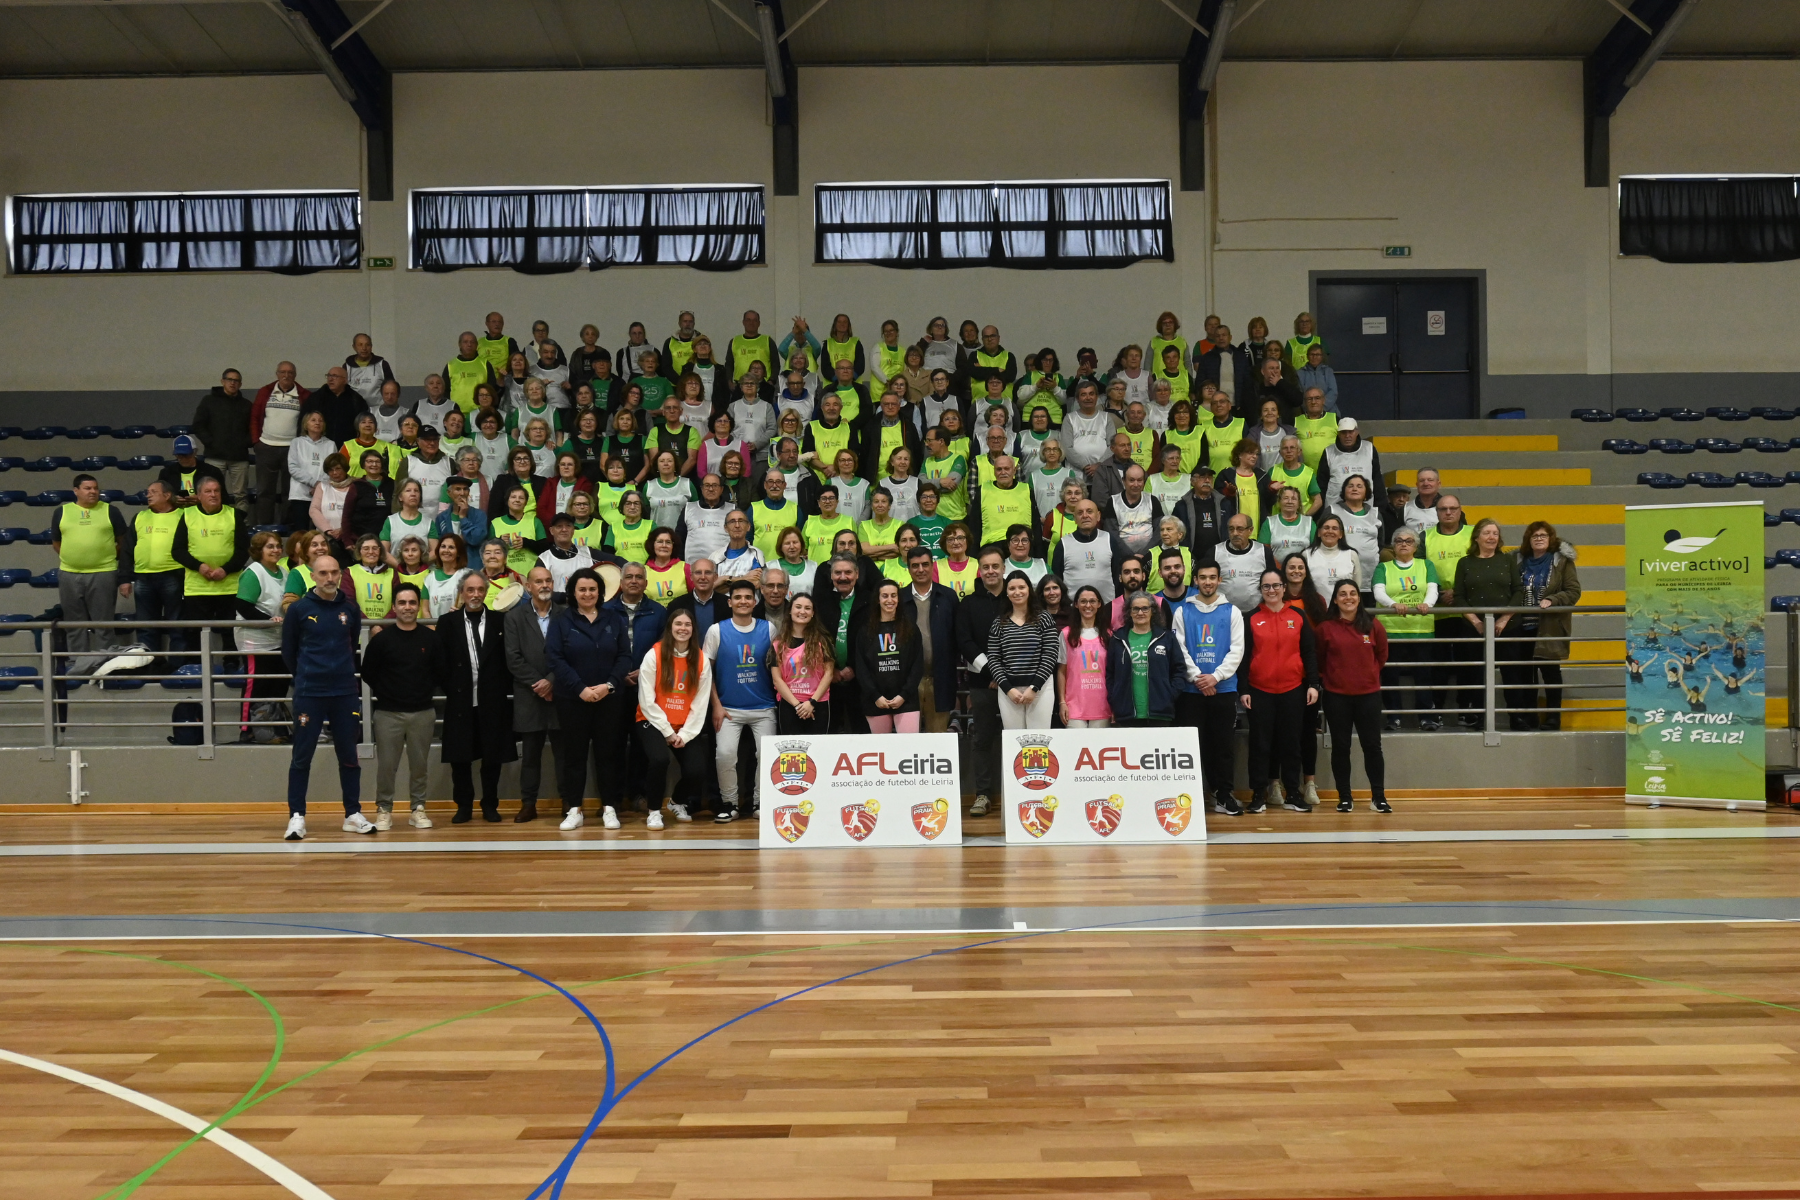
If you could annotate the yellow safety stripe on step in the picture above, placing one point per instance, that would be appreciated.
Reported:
(1599, 556)
(1467, 477)
(1464, 445)
(1557, 514)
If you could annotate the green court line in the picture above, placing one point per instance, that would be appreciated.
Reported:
(247, 1103)
(244, 1101)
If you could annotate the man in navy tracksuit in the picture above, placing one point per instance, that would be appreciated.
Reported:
(319, 636)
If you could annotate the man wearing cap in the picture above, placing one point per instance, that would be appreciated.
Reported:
(274, 424)
(564, 555)
(459, 516)
(1204, 513)
(1349, 455)
(182, 477)
(431, 467)
(222, 423)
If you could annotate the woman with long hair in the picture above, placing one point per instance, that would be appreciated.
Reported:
(1330, 560)
(1081, 663)
(258, 599)
(1362, 521)
(1303, 596)
(1352, 651)
(667, 577)
(1547, 571)
(890, 662)
(586, 444)
(1022, 654)
(408, 520)
(1281, 670)
(412, 563)
(1053, 598)
(806, 662)
(674, 684)
(1488, 577)
(554, 496)
(450, 562)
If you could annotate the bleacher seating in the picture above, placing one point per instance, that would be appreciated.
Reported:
(12, 677)
(1760, 479)
(44, 433)
(1711, 479)
(1716, 445)
(46, 580)
(1683, 414)
(1661, 479)
(1766, 445)
(1672, 446)
(49, 462)
(1728, 414)
(51, 498)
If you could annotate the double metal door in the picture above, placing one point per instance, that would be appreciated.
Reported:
(1402, 348)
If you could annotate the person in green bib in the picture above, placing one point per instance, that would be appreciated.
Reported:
(649, 379)
(1316, 428)
(929, 523)
(1221, 434)
(841, 345)
(948, 473)
(1005, 503)
(827, 436)
(752, 346)
(495, 346)
(212, 543)
(1408, 585)
(630, 529)
(521, 531)
(156, 578)
(852, 397)
(1290, 471)
(467, 370)
(89, 537)
(1304, 339)
(822, 529)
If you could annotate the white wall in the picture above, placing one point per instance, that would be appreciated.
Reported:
(1475, 165)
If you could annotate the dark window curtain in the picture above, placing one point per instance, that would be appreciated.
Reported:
(1710, 220)
(712, 229)
(178, 233)
(1026, 226)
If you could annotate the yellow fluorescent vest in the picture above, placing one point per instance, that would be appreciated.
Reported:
(155, 534)
(745, 351)
(210, 540)
(88, 544)
(1002, 508)
(464, 377)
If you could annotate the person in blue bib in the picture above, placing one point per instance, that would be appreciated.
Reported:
(1210, 631)
(743, 690)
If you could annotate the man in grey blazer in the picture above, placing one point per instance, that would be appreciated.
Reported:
(534, 716)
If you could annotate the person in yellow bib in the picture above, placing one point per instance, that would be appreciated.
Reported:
(630, 529)
(89, 538)
(1304, 339)
(948, 472)
(468, 369)
(1168, 337)
(1143, 438)
(212, 543)
(370, 581)
(1446, 544)
(752, 346)
(1316, 428)
(827, 436)
(156, 578)
(495, 345)
(1222, 433)
(842, 345)
(1005, 503)
(822, 529)
(956, 570)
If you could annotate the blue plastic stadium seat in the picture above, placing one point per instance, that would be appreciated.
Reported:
(142, 462)
(95, 462)
(187, 678)
(1714, 445)
(10, 431)
(1661, 479)
(1759, 479)
(1727, 413)
(12, 496)
(1634, 414)
(14, 533)
(1789, 557)
(1784, 603)
(1770, 518)
(1684, 414)
(13, 619)
(1711, 479)
(1624, 446)
(1672, 446)
(174, 431)
(87, 433)
(120, 683)
(44, 433)
(1766, 445)
(1773, 414)
(1590, 415)
(138, 499)
(12, 677)
(1791, 514)
(46, 580)
(281, 530)
(11, 463)
(126, 433)
(11, 575)
(42, 537)
(113, 495)
(51, 499)
(49, 462)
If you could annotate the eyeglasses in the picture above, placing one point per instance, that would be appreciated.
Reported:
(1273, 587)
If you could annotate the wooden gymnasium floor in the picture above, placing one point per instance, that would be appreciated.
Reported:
(1482, 996)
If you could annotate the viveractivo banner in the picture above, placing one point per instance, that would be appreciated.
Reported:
(1694, 691)
(1139, 784)
(835, 791)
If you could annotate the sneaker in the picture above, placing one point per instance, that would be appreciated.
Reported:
(1469, 721)
(296, 830)
(1391, 725)
(1430, 724)
(980, 807)
(1277, 793)
(357, 823)
(572, 819)
(1312, 795)
(1345, 805)
(418, 819)
(1257, 805)
(1380, 804)
(1227, 806)
(1296, 804)
(681, 812)
(654, 820)
(384, 819)
(609, 818)
(723, 817)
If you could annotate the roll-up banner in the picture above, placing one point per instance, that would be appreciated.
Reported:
(859, 790)
(1694, 685)
(1099, 786)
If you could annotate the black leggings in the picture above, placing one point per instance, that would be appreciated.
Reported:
(1363, 713)
(693, 758)
(588, 733)
(1276, 721)
(788, 722)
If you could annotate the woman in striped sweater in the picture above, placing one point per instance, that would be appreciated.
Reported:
(1021, 653)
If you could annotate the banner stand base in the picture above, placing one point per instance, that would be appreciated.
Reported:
(1697, 802)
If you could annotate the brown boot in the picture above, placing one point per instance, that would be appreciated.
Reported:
(527, 812)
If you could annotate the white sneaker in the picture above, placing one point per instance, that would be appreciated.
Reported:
(296, 830)
(609, 818)
(1312, 795)
(572, 819)
(681, 812)
(655, 819)
(980, 807)
(357, 823)
(418, 819)
(384, 819)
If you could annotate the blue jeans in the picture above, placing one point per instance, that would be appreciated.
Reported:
(158, 598)
(310, 715)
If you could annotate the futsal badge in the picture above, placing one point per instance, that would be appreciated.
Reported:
(859, 819)
(1103, 815)
(793, 771)
(930, 818)
(791, 820)
(343, 618)
(1037, 815)
(303, 718)
(1174, 814)
(1034, 766)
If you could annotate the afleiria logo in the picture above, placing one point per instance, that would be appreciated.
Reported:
(1675, 542)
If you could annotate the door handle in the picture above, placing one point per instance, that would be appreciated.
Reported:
(1394, 361)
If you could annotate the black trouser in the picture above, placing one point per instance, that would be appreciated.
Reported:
(531, 764)
(1215, 716)
(984, 739)
(462, 786)
(1363, 713)
(1549, 670)
(271, 481)
(1407, 656)
(299, 515)
(789, 723)
(692, 758)
(1510, 650)
(589, 733)
(845, 708)
(1276, 719)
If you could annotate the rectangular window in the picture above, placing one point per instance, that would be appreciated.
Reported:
(1073, 224)
(292, 233)
(544, 231)
(1710, 219)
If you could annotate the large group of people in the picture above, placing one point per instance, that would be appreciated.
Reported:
(709, 541)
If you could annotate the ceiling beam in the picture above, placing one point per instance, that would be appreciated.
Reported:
(1618, 64)
(1194, 82)
(784, 101)
(352, 67)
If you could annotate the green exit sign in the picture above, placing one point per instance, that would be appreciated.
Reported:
(1396, 252)
(379, 264)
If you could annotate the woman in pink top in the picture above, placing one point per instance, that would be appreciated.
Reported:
(714, 449)
(1081, 669)
(806, 661)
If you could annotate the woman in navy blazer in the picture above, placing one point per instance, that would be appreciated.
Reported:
(589, 658)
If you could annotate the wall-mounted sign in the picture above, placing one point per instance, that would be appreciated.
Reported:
(1396, 252)
(1375, 325)
(379, 264)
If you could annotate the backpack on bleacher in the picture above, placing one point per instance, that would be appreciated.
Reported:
(187, 717)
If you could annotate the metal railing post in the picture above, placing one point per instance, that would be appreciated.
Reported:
(1490, 732)
(206, 692)
(366, 747)
(47, 668)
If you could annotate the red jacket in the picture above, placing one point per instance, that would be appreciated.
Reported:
(261, 405)
(546, 500)
(1278, 648)
(1351, 662)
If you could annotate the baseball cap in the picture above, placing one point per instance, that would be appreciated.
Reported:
(561, 518)
(1202, 469)
(184, 444)
(1346, 423)
(429, 431)
(461, 481)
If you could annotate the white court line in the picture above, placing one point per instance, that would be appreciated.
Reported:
(286, 1177)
